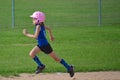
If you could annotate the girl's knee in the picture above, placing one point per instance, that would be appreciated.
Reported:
(34, 51)
(31, 55)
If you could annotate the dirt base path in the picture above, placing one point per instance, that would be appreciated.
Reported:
(65, 76)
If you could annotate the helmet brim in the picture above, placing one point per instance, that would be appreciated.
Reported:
(32, 16)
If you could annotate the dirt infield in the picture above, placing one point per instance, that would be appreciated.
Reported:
(64, 76)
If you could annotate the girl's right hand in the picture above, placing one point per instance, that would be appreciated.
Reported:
(25, 31)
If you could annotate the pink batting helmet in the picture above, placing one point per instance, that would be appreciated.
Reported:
(40, 16)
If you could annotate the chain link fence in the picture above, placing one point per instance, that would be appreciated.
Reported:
(61, 13)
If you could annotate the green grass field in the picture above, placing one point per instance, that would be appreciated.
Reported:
(88, 48)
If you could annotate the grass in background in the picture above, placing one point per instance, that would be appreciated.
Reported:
(87, 48)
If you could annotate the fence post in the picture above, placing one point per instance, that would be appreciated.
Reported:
(13, 15)
(99, 12)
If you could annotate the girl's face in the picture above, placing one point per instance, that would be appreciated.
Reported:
(34, 21)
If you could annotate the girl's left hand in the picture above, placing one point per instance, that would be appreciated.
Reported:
(51, 38)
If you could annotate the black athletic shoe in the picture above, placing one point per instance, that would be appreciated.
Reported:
(71, 71)
(39, 69)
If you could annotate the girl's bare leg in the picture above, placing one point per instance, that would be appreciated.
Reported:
(54, 56)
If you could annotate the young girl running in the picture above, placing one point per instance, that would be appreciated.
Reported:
(43, 45)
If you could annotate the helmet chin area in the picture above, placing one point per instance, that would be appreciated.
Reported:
(35, 21)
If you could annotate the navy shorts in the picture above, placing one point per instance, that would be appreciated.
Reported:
(46, 49)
